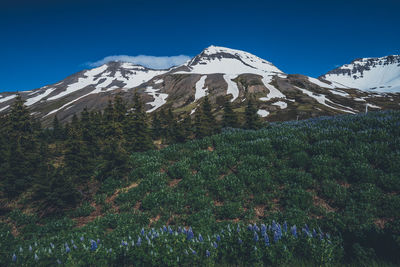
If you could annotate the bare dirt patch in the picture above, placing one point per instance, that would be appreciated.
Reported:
(322, 203)
(174, 182)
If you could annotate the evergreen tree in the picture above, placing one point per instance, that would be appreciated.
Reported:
(200, 128)
(187, 127)
(205, 123)
(120, 109)
(78, 163)
(138, 130)
(156, 127)
(229, 118)
(58, 131)
(171, 126)
(252, 120)
(21, 160)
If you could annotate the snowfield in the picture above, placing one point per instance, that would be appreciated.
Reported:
(200, 90)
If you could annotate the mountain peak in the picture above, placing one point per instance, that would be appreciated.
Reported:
(217, 59)
(377, 74)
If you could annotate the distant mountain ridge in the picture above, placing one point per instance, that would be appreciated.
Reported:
(380, 74)
(222, 72)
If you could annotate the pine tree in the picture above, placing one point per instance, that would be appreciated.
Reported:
(187, 127)
(200, 129)
(156, 128)
(78, 163)
(171, 126)
(120, 109)
(229, 118)
(58, 131)
(21, 160)
(205, 123)
(138, 131)
(252, 120)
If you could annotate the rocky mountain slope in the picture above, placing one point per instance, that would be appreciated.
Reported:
(222, 72)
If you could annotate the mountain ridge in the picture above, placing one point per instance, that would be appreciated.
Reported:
(218, 72)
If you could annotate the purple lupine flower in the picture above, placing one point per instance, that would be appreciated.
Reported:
(255, 238)
(263, 229)
(218, 238)
(276, 236)
(215, 245)
(273, 225)
(98, 241)
(285, 227)
(93, 245)
(82, 238)
(250, 227)
(189, 234)
(314, 233)
(142, 231)
(139, 242)
(279, 231)
(179, 230)
(193, 251)
(201, 238)
(294, 231)
(266, 240)
(240, 241)
(208, 253)
(14, 257)
(306, 232)
(72, 241)
(164, 228)
(30, 248)
(110, 250)
(170, 230)
(74, 246)
(67, 249)
(255, 228)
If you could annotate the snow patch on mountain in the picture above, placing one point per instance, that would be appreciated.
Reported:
(273, 92)
(36, 98)
(280, 104)
(102, 77)
(4, 108)
(320, 83)
(338, 92)
(262, 113)
(200, 90)
(159, 98)
(232, 86)
(322, 99)
(4, 99)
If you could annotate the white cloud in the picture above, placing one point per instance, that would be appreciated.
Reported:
(147, 61)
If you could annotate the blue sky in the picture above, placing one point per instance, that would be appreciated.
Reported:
(44, 41)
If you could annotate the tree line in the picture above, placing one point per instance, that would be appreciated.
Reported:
(57, 167)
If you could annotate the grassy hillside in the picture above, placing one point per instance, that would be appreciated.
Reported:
(338, 175)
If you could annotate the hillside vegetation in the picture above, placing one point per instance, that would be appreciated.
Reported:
(336, 178)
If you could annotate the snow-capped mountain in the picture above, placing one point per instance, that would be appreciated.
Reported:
(220, 73)
(380, 74)
(215, 59)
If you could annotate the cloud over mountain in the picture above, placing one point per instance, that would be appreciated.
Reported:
(153, 62)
